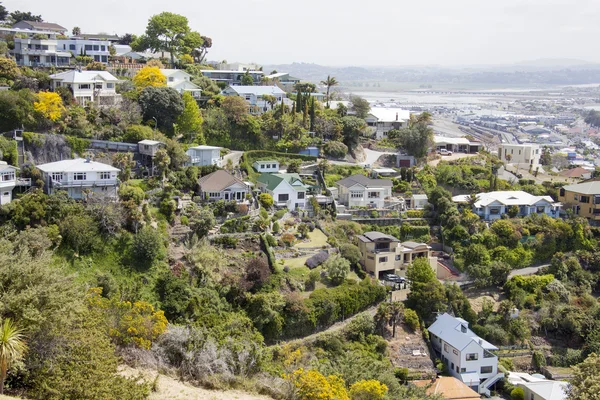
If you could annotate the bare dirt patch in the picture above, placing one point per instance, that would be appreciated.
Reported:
(403, 349)
(477, 296)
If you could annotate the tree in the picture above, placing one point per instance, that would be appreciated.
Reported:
(337, 269)
(368, 390)
(147, 247)
(190, 121)
(76, 31)
(335, 149)
(49, 105)
(201, 221)
(247, 79)
(3, 13)
(350, 252)
(329, 83)
(517, 394)
(18, 16)
(16, 109)
(8, 70)
(149, 76)
(123, 161)
(423, 118)
(585, 381)
(427, 294)
(162, 103)
(235, 108)
(294, 166)
(352, 128)
(12, 348)
(416, 140)
(546, 157)
(265, 200)
(199, 53)
(360, 106)
(411, 319)
(80, 232)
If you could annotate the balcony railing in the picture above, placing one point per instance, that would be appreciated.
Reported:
(89, 183)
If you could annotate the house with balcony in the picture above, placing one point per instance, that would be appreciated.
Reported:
(491, 206)
(89, 86)
(385, 254)
(221, 185)
(583, 199)
(255, 96)
(361, 191)
(40, 26)
(80, 178)
(91, 47)
(287, 190)
(466, 356)
(37, 48)
(181, 81)
(8, 181)
(382, 120)
(204, 155)
(266, 166)
(231, 77)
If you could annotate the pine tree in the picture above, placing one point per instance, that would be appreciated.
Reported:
(305, 116)
(312, 114)
(299, 102)
(294, 112)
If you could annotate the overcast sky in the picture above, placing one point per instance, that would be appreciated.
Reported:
(352, 32)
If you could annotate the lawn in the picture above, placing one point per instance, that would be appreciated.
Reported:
(317, 239)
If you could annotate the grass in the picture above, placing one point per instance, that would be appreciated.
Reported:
(298, 262)
(316, 239)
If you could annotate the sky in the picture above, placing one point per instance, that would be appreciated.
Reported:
(352, 32)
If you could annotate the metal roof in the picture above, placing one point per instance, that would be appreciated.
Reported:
(77, 165)
(373, 236)
(364, 181)
(257, 90)
(273, 180)
(507, 198)
(84, 76)
(584, 188)
(203, 147)
(149, 142)
(449, 329)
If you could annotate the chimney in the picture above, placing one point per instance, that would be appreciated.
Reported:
(88, 158)
(396, 116)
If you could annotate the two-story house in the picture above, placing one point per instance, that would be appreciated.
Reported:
(284, 80)
(89, 86)
(266, 166)
(204, 155)
(492, 205)
(361, 191)
(287, 190)
(583, 199)
(526, 155)
(181, 81)
(94, 48)
(382, 120)
(8, 181)
(221, 185)
(385, 254)
(466, 356)
(81, 178)
(40, 26)
(37, 48)
(231, 77)
(256, 97)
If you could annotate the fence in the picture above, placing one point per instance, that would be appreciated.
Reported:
(114, 146)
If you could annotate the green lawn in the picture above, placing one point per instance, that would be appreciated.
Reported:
(317, 239)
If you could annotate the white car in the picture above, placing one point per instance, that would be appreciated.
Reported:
(444, 152)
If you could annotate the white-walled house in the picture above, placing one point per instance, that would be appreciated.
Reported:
(456, 144)
(232, 77)
(149, 147)
(419, 201)
(97, 49)
(204, 155)
(221, 185)
(80, 178)
(522, 154)
(89, 86)
(37, 48)
(382, 120)
(254, 96)
(467, 356)
(492, 205)
(361, 191)
(8, 181)
(181, 81)
(266, 166)
(287, 190)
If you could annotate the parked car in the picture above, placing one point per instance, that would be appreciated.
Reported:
(394, 278)
(445, 152)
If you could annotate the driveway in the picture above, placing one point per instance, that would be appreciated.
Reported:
(235, 156)
(526, 271)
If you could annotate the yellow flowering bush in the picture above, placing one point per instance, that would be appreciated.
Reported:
(312, 385)
(50, 105)
(368, 390)
(149, 76)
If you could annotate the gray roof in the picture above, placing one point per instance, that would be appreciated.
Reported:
(364, 181)
(373, 236)
(75, 76)
(45, 25)
(584, 188)
(413, 245)
(448, 328)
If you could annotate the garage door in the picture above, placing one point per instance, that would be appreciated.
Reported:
(405, 163)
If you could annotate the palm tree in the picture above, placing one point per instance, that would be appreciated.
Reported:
(12, 348)
(329, 82)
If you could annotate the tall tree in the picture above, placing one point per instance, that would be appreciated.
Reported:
(162, 103)
(12, 348)
(416, 139)
(76, 31)
(190, 121)
(247, 79)
(360, 106)
(329, 83)
(199, 53)
(18, 16)
(3, 13)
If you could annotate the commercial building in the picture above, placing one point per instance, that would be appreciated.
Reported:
(583, 199)
(89, 86)
(525, 154)
(361, 191)
(492, 205)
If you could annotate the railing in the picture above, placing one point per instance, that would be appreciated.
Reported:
(103, 182)
(23, 182)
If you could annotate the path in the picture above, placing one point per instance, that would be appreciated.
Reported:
(526, 271)
(234, 155)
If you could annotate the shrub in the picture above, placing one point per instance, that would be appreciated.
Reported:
(276, 227)
(360, 327)
(411, 319)
(271, 241)
(517, 394)
(368, 390)
(401, 374)
(134, 193)
(288, 239)
(266, 200)
(312, 279)
(350, 252)
(147, 247)
(227, 241)
(337, 269)
(184, 220)
(335, 149)
(279, 214)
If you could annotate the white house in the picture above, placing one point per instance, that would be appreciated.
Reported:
(537, 387)
(181, 81)
(254, 95)
(361, 191)
(8, 181)
(287, 190)
(419, 201)
(467, 356)
(38, 25)
(221, 185)
(231, 77)
(204, 155)
(528, 154)
(492, 205)
(382, 120)
(148, 147)
(89, 86)
(266, 166)
(80, 178)
(97, 49)
(36, 48)
(457, 144)
(284, 80)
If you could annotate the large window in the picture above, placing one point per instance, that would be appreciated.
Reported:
(300, 195)
(9, 176)
(472, 356)
(79, 176)
(104, 175)
(214, 194)
(373, 195)
(283, 197)
(88, 47)
(85, 86)
(110, 85)
(356, 195)
(383, 259)
(72, 47)
(57, 176)
(487, 370)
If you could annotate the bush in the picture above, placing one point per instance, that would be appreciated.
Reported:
(266, 200)
(276, 227)
(271, 241)
(134, 193)
(229, 242)
(517, 394)
(279, 214)
(360, 327)
(411, 319)
(335, 149)
(147, 247)
(350, 252)
(312, 279)
(401, 374)
(288, 239)
(337, 269)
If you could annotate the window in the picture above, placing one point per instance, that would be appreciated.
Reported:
(104, 58)
(96, 58)
(57, 176)
(463, 370)
(96, 47)
(540, 209)
(214, 194)
(9, 176)
(398, 257)
(562, 192)
(487, 370)
(262, 166)
(457, 369)
(455, 351)
(356, 195)
(85, 86)
(88, 47)
(110, 85)
(104, 175)
(383, 259)
(463, 328)
(283, 197)
(451, 365)
(472, 356)
(300, 195)
(373, 195)
(445, 347)
(98, 85)
(79, 176)
(72, 47)
(171, 79)
(584, 199)
(6, 194)
(103, 47)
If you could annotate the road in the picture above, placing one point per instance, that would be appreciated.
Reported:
(527, 271)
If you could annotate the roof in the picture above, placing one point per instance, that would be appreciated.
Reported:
(149, 142)
(419, 196)
(470, 377)
(121, 49)
(373, 236)
(449, 387)
(451, 140)
(77, 165)
(5, 167)
(280, 75)
(257, 90)
(451, 331)
(203, 147)
(271, 181)
(390, 114)
(548, 390)
(101, 36)
(507, 198)
(231, 71)
(45, 25)
(218, 181)
(584, 188)
(574, 172)
(169, 72)
(364, 181)
(265, 161)
(75, 76)
(414, 245)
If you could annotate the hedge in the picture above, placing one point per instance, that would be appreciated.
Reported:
(269, 252)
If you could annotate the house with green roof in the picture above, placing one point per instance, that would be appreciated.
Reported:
(287, 190)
